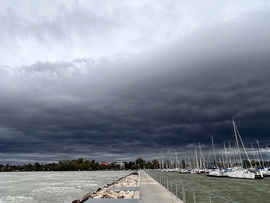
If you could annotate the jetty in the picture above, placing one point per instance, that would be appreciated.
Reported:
(147, 190)
(152, 192)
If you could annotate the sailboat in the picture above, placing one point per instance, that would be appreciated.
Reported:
(216, 172)
(264, 170)
(199, 168)
(195, 170)
(240, 172)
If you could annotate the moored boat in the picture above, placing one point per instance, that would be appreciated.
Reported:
(265, 172)
(184, 170)
(218, 173)
(239, 172)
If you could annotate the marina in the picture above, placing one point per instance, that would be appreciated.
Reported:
(201, 188)
(190, 188)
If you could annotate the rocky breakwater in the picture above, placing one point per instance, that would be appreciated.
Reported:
(114, 190)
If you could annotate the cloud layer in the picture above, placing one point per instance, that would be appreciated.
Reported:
(159, 101)
(67, 30)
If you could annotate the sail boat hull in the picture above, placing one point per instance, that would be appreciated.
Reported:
(241, 173)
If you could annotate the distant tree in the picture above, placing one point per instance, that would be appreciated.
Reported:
(149, 165)
(86, 165)
(183, 163)
(28, 167)
(129, 164)
(140, 163)
(155, 164)
(36, 167)
(134, 167)
(7, 168)
(93, 165)
(246, 164)
(79, 164)
(80, 161)
(115, 166)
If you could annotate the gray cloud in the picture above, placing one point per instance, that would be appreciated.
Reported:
(149, 105)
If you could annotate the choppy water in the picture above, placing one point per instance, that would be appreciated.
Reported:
(53, 187)
(238, 190)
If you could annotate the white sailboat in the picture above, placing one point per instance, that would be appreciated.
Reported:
(216, 172)
(199, 168)
(240, 172)
(195, 170)
(264, 169)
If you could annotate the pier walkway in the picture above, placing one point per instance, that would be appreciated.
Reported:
(147, 190)
(152, 192)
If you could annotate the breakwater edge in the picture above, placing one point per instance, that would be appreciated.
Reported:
(123, 188)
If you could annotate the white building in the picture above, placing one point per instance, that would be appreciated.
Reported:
(121, 164)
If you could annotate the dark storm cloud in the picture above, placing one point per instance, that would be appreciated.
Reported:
(150, 105)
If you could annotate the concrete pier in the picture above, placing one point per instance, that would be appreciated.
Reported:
(152, 192)
(148, 190)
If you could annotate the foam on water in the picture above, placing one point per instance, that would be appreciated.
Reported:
(60, 187)
(2, 187)
(16, 199)
(55, 190)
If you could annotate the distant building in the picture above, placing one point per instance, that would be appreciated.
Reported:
(104, 163)
(121, 164)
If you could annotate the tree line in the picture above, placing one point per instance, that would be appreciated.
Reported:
(81, 165)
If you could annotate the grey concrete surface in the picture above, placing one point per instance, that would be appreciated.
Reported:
(152, 192)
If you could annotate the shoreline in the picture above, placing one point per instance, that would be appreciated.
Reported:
(123, 188)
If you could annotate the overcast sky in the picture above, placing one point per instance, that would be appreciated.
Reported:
(109, 80)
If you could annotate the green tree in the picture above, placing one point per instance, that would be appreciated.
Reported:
(149, 165)
(86, 165)
(134, 167)
(36, 167)
(155, 164)
(140, 163)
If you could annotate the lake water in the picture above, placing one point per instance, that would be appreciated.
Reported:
(52, 187)
(238, 190)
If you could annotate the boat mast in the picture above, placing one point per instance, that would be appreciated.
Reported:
(200, 155)
(260, 154)
(214, 151)
(231, 154)
(223, 160)
(236, 130)
(268, 153)
(237, 144)
(177, 162)
(226, 155)
(254, 155)
(196, 156)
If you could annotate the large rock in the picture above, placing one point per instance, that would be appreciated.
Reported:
(127, 181)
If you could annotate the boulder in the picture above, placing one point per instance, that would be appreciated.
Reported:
(127, 181)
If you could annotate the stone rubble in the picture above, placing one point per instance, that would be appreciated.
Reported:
(127, 181)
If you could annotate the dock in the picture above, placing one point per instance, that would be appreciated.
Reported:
(152, 192)
(148, 190)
